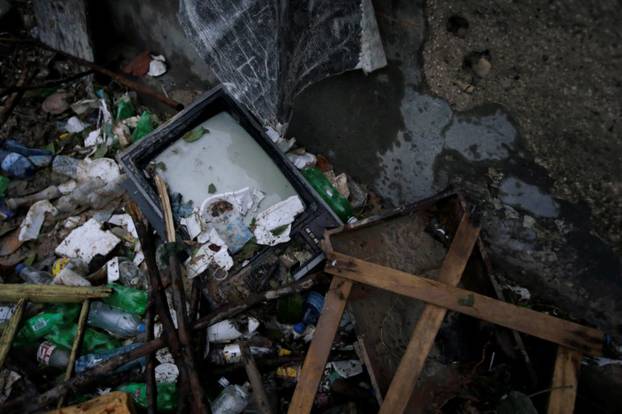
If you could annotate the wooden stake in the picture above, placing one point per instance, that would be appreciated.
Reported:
(319, 350)
(422, 339)
(51, 293)
(565, 380)
(77, 341)
(254, 378)
(9, 331)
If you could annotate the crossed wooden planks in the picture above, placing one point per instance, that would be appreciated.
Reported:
(440, 295)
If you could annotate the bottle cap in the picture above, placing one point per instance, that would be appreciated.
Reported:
(19, 267)
(299, 328)
(141, 328)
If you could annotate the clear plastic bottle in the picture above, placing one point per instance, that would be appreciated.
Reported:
(52, 355)
(232, 400)
(90, 360)
(31, 275)
(115, 321)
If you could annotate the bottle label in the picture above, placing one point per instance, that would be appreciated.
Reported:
(45, 352)
(39, 324)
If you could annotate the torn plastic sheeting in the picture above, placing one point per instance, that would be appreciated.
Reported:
(273, 225)
(267, 52)
(245, 201)
(31, 225)
(214, 251)
(87, 241)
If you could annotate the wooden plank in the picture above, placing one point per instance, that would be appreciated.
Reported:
(75, 347)
(562, 332)
(9, 331)
(51, 293)
(317, 355)
(422, 339)
(565, 380)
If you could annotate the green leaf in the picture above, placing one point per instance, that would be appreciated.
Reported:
(211, 188)
(195, 134)
(277, 231)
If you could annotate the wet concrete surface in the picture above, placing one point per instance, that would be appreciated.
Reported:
(391, 132)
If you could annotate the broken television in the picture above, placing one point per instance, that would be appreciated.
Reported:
(214, 155)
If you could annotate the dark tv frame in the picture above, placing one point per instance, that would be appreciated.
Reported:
(310, 224)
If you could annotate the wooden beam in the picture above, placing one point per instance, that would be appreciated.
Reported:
(422, 339)
(562, 332)
(9, 331)
(319, 350)
(565, 380)
(51, 293)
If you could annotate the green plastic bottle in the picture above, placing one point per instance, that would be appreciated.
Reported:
(47, 322)
(143, 126)
(128, 299)
(338, 203)
(91, 342)
(167, 395)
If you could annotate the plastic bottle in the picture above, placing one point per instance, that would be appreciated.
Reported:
(31, 275)
(92, 341)
(127, 299)
(52, 355)
(312, 309)
(131, 275)
(65, 165)
(15, 165)
(88, 361)
(71, 273)
(143, 126)
(338, 203)
(115, 321)
(48, 193)
(232, 400)
(167, 395)
(14, 146)
(93, 193)
(47, 322)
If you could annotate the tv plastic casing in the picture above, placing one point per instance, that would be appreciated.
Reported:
(308, 226)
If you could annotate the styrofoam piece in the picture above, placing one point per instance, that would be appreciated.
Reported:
(93, 138)
(87, 241)
(74, 125)
(166, 373)
(226, 331)
(302, 161)
(112, 270)
(31, 225)
(269, 223)
(157, 66)
(192, 224)
(125, 221)
(347, 368)
(214, 251)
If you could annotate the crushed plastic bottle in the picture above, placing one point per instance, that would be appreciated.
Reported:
(91, 342)
(127, 299)
(52, 355)
(167, 395)
(115, 321)
(143, 127)
(65, 165)
(88, 361)
(232, 400)
(93, 193)
(312, 309)
(31, 275)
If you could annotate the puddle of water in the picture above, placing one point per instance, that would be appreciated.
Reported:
(430, 127)
(528, 197)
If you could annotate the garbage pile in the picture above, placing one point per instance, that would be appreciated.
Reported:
(66, 222)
